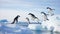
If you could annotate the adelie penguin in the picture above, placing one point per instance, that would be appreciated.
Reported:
(44, 16)
(33, 17)
(28, 19)
(15, 19)
(50, 11)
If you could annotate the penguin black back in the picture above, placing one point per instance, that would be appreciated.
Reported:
(44, 13)
(32, 15)
(15, 19)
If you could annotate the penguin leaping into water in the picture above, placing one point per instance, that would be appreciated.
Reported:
(15, 19)
(50, 8)
(50, 11)
(33, 17)
(44, 16)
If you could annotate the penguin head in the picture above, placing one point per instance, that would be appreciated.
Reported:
(32, 15)
(43, 13)
(48, 8)
(18, 15)
(29, 13)
(27, 18)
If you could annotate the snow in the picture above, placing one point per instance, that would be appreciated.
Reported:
(35, 26)
(10, 25)
(53, 22)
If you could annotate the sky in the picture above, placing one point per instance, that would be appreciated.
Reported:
(10, 8)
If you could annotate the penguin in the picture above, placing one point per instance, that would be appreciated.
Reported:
(33, 17)
(50, 11)
(44, 16)
(15, 19)
(28, 19)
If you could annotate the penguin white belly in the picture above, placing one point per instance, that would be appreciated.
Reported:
(44, 17)
(50, 12)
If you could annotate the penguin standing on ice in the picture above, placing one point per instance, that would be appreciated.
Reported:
(15, 19)
(33, 17)
(50, 11)
(44, 16)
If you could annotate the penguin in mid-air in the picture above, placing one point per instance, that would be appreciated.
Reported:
(33, 17)
(15, 19)
(50, 11)
(44, 16)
